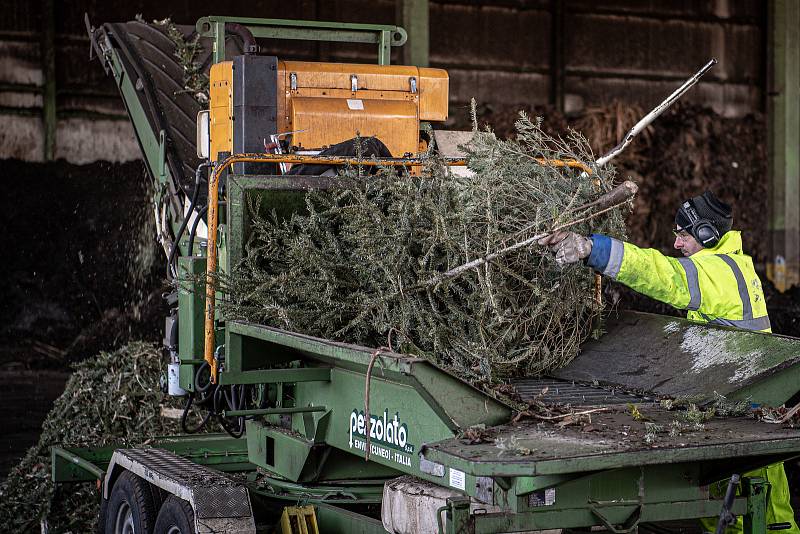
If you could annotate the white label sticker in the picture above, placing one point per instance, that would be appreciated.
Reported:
(542, 498)
(355, 104)
(457, 479)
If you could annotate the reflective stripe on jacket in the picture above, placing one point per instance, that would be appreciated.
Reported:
(717, 285)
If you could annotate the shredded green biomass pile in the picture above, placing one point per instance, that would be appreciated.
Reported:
(346, 269)
(112, 398)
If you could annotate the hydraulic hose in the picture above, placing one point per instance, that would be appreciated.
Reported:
(233, 396)
(193, 231)
(243, 32)
(185, 424)
(171, 271)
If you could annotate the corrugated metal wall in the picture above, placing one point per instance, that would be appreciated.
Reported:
(501, 53)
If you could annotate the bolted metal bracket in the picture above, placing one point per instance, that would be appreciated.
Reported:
(631, 525)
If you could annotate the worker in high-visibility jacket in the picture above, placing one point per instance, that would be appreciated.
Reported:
(716, 283)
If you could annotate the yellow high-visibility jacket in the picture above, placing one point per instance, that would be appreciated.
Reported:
(717, 285)
(779, 509)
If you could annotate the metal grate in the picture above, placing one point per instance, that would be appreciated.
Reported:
(213, 494)
(576, 393)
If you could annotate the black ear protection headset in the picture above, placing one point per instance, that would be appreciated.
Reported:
(701, 229)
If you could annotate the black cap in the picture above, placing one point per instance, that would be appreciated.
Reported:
(708, 207)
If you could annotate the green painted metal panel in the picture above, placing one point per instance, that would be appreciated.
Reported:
(79, 465)
(279, 451)
(402, 419)
(661, 493)
(454, 400)
(273, 376)
(554, 451)
(220, 451)
(336, 520)
(288, 454)
(774, 388)
(283, 195)
(628, 486)
(273, 411)
(191, 304)
(416, 20)
(755, 520)
(217, 33)
(546, 518)
(384, 47)
(410, 401)
(345, 491)
(259, 24)
(385, 36)
(186, 372)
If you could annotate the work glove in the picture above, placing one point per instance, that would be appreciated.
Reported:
(568, 246)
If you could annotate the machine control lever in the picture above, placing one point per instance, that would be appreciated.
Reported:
(274, 146)
(726, 518)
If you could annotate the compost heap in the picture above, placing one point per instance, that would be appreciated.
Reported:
(353, 267)
(112, 398)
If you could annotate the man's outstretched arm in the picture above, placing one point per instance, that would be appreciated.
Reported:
(670, 280)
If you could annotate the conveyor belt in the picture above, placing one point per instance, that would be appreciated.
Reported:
(149, 56)
(576, 393)
(672, 357)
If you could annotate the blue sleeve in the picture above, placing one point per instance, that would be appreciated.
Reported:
(601, 252)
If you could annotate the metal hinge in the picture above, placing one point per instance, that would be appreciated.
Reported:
(293, 81)
(353, 83)
(412, 82)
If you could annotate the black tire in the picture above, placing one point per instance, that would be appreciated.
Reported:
(175, 517)
(100, 528)
(130, 508)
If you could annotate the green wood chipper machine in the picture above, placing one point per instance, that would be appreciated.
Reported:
(327, 437)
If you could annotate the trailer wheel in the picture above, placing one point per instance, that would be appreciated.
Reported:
(100, 528)
(175, 517)
(130, 508)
